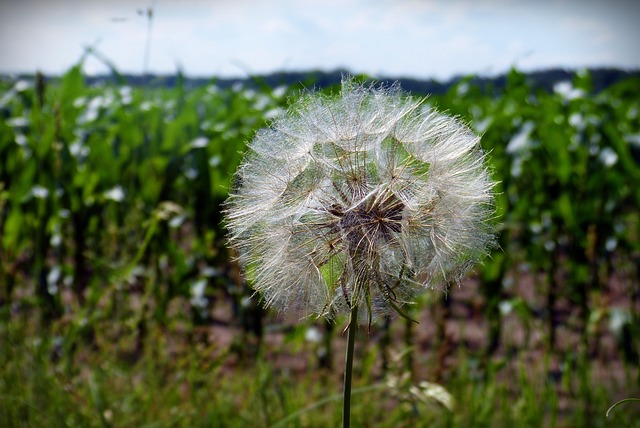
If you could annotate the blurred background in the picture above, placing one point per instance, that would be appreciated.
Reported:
(122, 123)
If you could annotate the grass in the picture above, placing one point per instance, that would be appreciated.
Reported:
(179, 382)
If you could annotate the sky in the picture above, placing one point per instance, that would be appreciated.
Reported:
(386, 38)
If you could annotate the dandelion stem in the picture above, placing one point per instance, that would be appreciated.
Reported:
(348, 368)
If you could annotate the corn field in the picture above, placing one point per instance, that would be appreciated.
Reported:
(120, 304)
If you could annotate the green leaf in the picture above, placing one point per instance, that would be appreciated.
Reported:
(333, 270)
(12, 229)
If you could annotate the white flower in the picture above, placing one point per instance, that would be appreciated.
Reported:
(198, 298)
(608, 157)
(362, 200)
(520, 141)
(199, 143)
(566, 90)
(39, 192)
(115, 194)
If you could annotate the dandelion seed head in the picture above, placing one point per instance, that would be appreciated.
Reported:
(365, 199)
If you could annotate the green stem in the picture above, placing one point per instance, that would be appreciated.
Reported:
(620, 402)
(348, 368)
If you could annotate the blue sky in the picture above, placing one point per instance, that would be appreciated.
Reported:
(413, 38)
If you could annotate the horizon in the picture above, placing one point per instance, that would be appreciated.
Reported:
(272, 74)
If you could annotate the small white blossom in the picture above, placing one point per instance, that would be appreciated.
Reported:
(115, 194)
(18, 122)
(39, 192)
(52, 279)
(521, 140)
(566, 90)
(21, 140)
(359, 201)
(633, 139)
(22, 85)
(608, 157)
(199, 142)
(313, 335)
(198, 298)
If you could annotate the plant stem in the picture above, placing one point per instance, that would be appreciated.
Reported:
(348, 368)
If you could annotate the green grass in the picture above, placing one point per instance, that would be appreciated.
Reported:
(178, 382)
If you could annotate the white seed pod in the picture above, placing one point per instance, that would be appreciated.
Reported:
(364, 200)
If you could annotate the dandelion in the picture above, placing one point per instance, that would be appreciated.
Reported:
(361, 201)
(355, 204)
